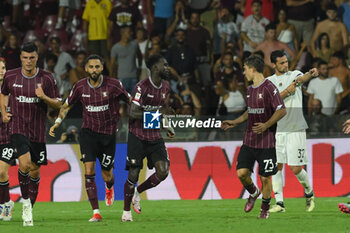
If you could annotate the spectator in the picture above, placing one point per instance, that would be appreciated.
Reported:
(198, 38)
(318, 121)
(327, 89)
(123, 59)
(253, 28)
(321, 8)
(70, 136)
(78, 72)
(267, 8)
(189, 97)
(51, 61)
(344, 13)
(142, 43)
(178, 20)
(163, 10)
(336, 30)
(301, 15)
(12, 52)
(323, 49)
(64, 64)
(123, 15)
(286, 32)
(95, 23)
(271, 43)
(41, 53)
(226, 26)
(71, 5)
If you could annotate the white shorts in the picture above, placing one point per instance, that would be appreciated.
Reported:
(291, 148)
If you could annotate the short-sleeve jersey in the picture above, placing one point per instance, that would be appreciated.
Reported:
(294, 120)
(262, 101)
(150, 98)
(28, 111)
(100, 104)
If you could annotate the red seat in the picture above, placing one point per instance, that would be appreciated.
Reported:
(32, 35)
(49, 24)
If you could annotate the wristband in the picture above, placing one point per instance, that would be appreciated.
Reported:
(58, 120)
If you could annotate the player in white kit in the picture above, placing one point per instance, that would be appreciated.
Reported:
(290, 136)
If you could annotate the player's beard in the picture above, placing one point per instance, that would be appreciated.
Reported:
(95, 77)
(164, 75)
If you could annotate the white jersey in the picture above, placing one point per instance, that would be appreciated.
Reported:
(294, 119)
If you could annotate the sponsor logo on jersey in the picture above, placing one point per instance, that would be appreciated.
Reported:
(17, 85)
(85, 95)
(256, 110)
(102, 108)
(150, 96)
(28, 100)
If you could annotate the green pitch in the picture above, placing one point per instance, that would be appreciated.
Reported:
(182, 217)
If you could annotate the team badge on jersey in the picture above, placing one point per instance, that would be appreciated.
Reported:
(260, 95)
(104, 94)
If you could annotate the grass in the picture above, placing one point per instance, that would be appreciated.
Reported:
(183, 216)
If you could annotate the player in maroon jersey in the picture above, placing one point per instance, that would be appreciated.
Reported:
(6, 159)
(149, 95)
(265, 108)
(31, 90)
(100, 97)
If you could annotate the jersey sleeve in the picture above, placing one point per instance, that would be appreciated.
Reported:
(138, 95)
(276, 100)
(73, 97)
(5, 90)
(122, 93)
(53, 91)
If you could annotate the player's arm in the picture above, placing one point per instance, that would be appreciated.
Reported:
(61, 116)
(261, 127)
(135, 112)
(249, 41)
(288, 91)
(225, 125)
(6, 116)
(307, 76)
(51, 102)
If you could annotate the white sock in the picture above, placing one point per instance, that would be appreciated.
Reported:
(96, 211)
(277, 186)
(255, 193)
(304, 181)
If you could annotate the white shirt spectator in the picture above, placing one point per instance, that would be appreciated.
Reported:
(234, 103)
(255, 31)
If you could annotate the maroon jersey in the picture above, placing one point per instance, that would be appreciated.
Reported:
(28, 111)
(150, 98)
(262, 101)
(100, 104)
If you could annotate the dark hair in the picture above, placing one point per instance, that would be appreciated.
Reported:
(152, 60)
(56, 38)
(29, 47)
(257, 1)
(331, 6)
(270, 26)
(51, 56)
(322, 62)
(339, 54)
(320, 38)
(256, 62)
(93, 57)
(259, 53)
(80, 52)
(228, 53)
(275, 54)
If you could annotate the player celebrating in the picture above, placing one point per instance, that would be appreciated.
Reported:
(100, 97)
(343, 207)
(291, 136)
(149, 94)
(6, 158)
(265, 108)
(31, 90)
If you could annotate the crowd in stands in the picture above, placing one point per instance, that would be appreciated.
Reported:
(204, 41)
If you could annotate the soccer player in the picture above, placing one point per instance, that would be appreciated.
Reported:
(6, 158)
(291, 136)
(31, 91)
(150, 94)
(265, 108)
(99, 96)
(343, 207)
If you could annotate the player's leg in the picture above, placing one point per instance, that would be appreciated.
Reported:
(277, 179)
(297, 158)
(267, 167)
(245, 164)
(345, 208)
(34, 181)
(5, 212)
(106, 158)
(89, 149)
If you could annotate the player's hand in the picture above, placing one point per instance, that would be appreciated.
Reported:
(52, 129)
(39, 91)
(346, 127)
(171, 134)
(313, 72)
(292, 88)
(259, 128)
(6, 117)
(225, 125)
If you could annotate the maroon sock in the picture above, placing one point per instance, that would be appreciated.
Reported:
(91, 190)
(4, 192)
(128, 194)
(251, 188)
(110, 183)
(33, 189)
(265, 205)
(151, 182)
(23, 179)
